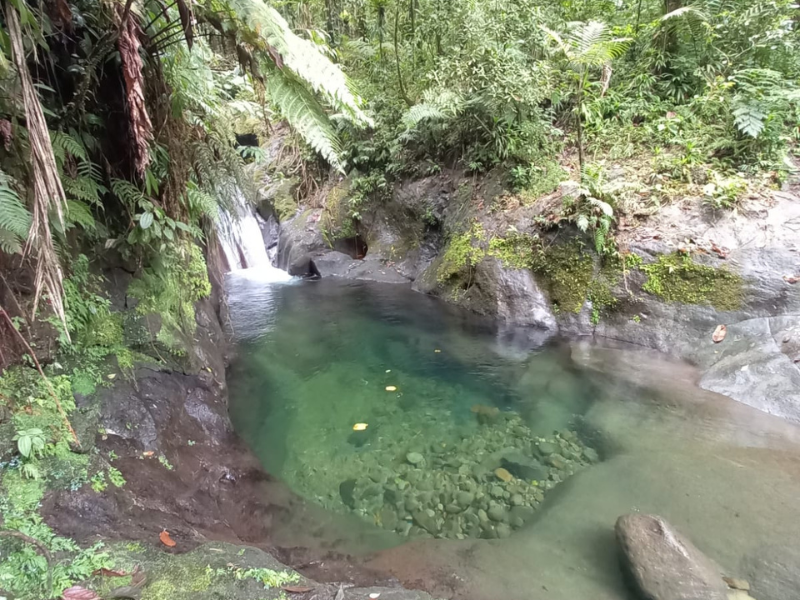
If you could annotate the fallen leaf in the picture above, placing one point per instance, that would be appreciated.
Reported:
(722, 253)
(391, 388)
(360, 426)
(375, 595)
(719, 334)
(77, 592)
(148, 453)
(110, 573)
(437, 351)
(791, 278)
(166, 540)
(296, 589)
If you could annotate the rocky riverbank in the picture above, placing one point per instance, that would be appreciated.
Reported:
(682, 269)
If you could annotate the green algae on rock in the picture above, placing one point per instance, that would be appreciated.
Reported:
(677, 278)
(462, 251)
(567, 271)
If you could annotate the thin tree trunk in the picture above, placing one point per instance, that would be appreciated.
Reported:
(397, 59)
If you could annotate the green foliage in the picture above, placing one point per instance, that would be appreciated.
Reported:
(15, 220)
(724, 192)
(269, 578)
(170, 287)
(30, 442)
(677, 278)
(24, 570)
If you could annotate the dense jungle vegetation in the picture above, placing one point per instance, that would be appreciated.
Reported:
(118, 144)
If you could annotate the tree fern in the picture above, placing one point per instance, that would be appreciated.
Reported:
(435, 106)
(15, 219)
(306, 115)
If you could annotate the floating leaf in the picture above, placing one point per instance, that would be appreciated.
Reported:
(391, 388)
(791, 278)
(719, 334)
(166, 540)
(360, 426)
(77, 592)
(437, 351)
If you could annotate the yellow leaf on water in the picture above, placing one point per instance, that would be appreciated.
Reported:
(360, 426)
(391, 388)
(437, 351)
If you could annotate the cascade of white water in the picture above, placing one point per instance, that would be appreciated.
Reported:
(243, 244)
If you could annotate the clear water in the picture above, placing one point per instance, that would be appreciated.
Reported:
(316, 358)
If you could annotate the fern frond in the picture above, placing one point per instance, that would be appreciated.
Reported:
(15, 219)
(127, 192)
(305, 115)
(79, 213)
(65, 144)
(303, 58)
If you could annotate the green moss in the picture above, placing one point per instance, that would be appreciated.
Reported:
(567, 271)
(463, 250)
(677, 278)
(516, 250)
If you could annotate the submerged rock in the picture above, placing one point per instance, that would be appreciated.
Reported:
(347, 491)
(415, 458)
(663, 565)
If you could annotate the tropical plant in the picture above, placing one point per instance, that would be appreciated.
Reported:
(587, 47)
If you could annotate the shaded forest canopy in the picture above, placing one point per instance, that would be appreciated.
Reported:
(118, 145)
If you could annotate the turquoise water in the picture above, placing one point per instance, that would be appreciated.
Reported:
(377, 401)
(584, 431)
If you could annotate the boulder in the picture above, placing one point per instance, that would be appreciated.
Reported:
(664, 565)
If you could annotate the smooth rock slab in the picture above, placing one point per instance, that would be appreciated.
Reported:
(773, 572)
(664, 565)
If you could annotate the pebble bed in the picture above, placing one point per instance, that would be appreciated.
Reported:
(482, 484)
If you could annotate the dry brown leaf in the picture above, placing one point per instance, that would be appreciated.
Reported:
(77, 592)
(139, 125)
(166, 540)
(791, 278)
(719, 334)
(297, 589)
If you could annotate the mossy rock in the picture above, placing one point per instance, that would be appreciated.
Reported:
(213, 571)
(677, 278)
(567, 271)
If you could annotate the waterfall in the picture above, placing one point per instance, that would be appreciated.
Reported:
(243, 244)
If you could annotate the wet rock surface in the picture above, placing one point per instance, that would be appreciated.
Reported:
(773, 572)
(664, 565)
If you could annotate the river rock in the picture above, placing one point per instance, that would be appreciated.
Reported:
(464, 499)
(388, 518)
(415, 458)
(497, 513)
(347, 491)
(545, 448)
(427, 521)
(773, 572)
(524, 467)
(664, 565)
(503, 530)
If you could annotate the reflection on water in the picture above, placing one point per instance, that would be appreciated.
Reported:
(466, 437)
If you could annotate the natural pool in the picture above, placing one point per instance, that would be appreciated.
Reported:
(471, 433)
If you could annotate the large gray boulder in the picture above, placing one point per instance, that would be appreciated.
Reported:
(664, 565)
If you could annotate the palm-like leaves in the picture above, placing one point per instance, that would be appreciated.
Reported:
(589, 44)
(299, 74)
